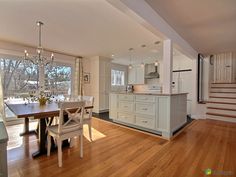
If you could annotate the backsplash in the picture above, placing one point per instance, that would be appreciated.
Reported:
(147, 88)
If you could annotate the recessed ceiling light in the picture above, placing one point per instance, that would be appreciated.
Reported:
(112, 55)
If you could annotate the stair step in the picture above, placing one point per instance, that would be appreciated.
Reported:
(222, 99)
(222, 106)
(216, 117)
(222, 90)
(223, 94)
(220, 102)
(222, 112)
(223, 85)
(221, 115)
(226, 109)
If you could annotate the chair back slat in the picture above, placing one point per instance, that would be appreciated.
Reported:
(89, 101)
(75, 112)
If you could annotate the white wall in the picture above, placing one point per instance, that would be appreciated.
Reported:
(100, 80)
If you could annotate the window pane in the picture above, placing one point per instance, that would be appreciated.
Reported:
(18, 77)
(117, 78)
(58, 79)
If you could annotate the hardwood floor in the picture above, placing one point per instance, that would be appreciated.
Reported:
(117, 151)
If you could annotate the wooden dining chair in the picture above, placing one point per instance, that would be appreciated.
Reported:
(89, 101)
(69, 128)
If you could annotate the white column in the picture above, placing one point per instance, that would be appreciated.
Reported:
(41, 77)
(167, 66)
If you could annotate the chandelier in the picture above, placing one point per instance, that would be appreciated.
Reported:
(38, 58)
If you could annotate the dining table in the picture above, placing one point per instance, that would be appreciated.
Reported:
(41, 113)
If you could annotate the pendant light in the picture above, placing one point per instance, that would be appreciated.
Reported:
(156, 62)
(130, 58)
(142, 63)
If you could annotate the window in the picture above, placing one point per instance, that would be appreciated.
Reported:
(117, 78)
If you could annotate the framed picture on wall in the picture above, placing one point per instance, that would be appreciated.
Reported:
(86, 78)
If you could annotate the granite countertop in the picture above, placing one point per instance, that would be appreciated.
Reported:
(3, 132)
(150, 93)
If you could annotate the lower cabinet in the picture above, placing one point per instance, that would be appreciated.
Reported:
(126, 117)
(146, 122)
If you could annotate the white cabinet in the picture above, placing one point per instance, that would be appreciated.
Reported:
(136, 75)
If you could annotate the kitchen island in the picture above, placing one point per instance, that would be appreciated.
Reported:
(158, 113)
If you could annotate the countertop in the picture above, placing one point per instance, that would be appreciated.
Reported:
(150, 93)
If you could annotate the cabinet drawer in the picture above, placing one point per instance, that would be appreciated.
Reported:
(126, 106)
(145, 122)
(145, 108)
(125, 117)
(145, 98)
(125, 97)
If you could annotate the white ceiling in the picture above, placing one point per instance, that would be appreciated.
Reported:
(82, 27)
(208, 25)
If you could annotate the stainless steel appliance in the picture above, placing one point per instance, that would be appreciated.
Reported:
(129, 88)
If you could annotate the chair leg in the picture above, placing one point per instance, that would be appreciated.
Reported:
(72, 142)
(59, 152)
(90, 130)
(49, 145)
(81, 145)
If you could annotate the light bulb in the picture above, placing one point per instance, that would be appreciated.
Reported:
(25, 51)
(156, 63)
(130, 66)
(52, 55)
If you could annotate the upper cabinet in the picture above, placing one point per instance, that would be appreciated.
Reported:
(136, 75)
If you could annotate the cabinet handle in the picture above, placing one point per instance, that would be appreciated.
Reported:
(144, 109)
(144, 121)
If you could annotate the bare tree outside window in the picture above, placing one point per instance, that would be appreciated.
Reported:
(18, 77)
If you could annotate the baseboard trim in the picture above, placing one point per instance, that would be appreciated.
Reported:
(223, 119)
(198, 116)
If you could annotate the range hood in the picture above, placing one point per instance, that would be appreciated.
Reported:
(152, 75)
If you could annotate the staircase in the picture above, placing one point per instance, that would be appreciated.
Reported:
(222, 102)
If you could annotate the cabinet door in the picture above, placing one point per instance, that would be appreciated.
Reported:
(139, 75)
(132, 76)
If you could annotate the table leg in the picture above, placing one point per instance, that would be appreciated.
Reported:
(26, 128)
(42, 139)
